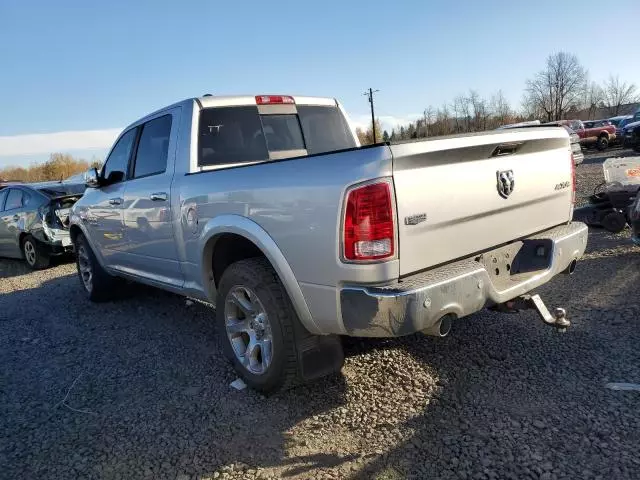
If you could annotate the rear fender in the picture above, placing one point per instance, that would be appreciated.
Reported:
(250, 230)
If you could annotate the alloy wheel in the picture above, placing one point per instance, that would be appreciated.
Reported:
(248, 329)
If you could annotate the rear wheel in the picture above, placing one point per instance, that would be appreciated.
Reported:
(614, 222)
(602, 143)
(256, 326)
(34, 254)
(97, 284)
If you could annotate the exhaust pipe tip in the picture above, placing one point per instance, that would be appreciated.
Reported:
(571, 268)
(441, 328)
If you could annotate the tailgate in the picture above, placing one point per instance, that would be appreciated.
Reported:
(461, 195)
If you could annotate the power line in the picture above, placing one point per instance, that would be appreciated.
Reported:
(369, 94)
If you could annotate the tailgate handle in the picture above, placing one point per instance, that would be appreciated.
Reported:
(506, 149)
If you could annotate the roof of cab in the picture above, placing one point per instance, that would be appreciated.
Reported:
(210, 101)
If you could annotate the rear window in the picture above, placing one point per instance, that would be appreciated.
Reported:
(231, 135)
(282, 132)
(325, 129)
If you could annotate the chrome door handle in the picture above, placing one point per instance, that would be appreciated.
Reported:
(115, 201)
(158, 197)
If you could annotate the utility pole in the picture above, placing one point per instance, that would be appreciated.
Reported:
(373, 116)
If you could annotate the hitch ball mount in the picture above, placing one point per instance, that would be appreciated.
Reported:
(534, 302)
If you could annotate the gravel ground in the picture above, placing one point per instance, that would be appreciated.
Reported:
(136, 389)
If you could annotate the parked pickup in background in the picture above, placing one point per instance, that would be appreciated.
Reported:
(268, 208)
(598, 133)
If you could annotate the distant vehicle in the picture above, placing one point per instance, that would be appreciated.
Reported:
(596, 123)
(615, 121)
(576, 148)
(621, 122)
(34, 220)
(267, 207)
(600, 134)
(631, 136)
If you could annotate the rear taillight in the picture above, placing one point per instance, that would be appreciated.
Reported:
(573, 177)
(369, 232)
(274, 99)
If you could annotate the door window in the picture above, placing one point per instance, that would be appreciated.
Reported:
(14, 199)
(153, 148)
(3, 196)
(115, 167)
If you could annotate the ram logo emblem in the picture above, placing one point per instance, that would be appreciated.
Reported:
(506, 182)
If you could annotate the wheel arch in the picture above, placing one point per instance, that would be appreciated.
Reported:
(76, 228)
(245, 234)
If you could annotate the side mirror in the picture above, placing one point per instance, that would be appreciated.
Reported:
(91, 178)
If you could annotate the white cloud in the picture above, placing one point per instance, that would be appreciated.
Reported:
(389, 122)
(36, 143)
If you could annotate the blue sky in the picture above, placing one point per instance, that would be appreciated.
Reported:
(68, 67)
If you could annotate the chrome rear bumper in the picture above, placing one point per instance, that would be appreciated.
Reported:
(461, 288)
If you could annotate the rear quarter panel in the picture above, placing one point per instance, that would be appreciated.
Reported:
(298, 202)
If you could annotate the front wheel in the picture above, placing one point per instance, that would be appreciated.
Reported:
(97, 284)
(603, 143)
(255, 323)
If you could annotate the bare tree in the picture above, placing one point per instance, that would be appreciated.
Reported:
(443, 121)
(428, 116)
(558, 87)
(593, 98)
(501, 109)
(479, 110)
(618, 93)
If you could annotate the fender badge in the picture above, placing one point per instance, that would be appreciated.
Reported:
(415, 219)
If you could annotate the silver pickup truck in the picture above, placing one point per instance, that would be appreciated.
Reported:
(268, 208)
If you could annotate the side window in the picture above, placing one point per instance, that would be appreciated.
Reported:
(576, 126)
(3, 196)
(14, 199)
(115, 167)
(153, 148)
(26, 199)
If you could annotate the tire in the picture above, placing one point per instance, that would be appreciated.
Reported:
(614, 222)
(34, 254)
(256, 285)
(602, 143)
(98, 285)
